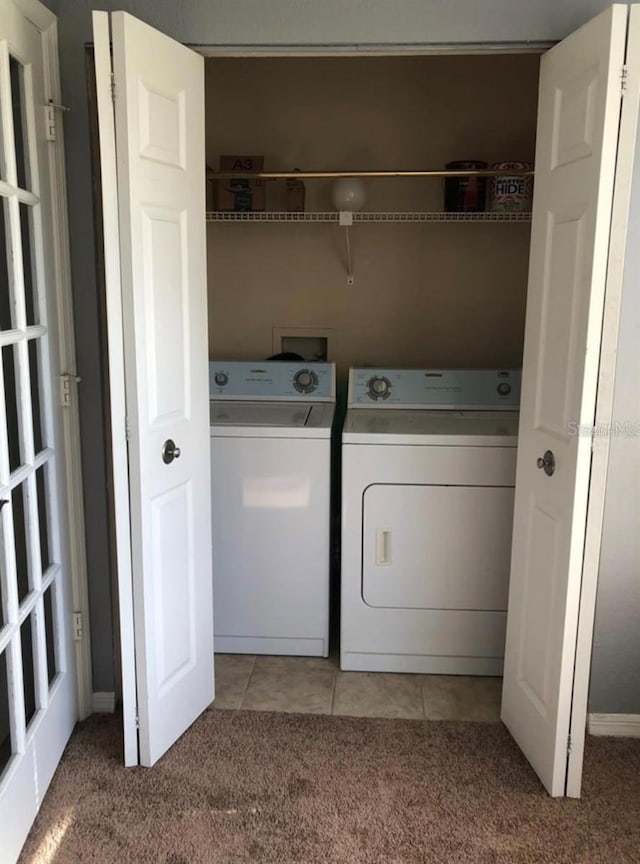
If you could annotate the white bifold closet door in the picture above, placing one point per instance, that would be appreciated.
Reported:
(552, 582)
(151, 124)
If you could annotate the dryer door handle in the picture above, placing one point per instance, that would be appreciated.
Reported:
(383, 547)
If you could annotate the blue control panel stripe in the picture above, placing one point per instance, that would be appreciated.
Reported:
(272, 380)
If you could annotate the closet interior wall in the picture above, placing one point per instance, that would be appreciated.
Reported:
(424, 294)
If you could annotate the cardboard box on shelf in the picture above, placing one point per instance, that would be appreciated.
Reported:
(241, 194)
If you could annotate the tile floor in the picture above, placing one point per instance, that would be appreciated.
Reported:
(312, 685)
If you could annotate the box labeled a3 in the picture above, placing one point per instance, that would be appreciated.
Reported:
(240, 193)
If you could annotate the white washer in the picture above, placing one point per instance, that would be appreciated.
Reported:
(428, 477)
(271, 478)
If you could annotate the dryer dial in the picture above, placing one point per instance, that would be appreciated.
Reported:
(378, 388)
(504, 388)
(221, 379)
(305, 381)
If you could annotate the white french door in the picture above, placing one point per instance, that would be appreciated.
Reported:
(152, 153)
(552, 585)
(37, 674)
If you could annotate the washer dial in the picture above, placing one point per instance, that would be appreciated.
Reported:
(221, 379)
(504, 389)
(305, 381)
(378, 388)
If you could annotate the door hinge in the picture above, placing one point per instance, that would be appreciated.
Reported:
(66, 380)
(137, 721)
(49, 123)
(126, 428)
(569, 743)
(77, 627)
(624, 76)
(113, 87)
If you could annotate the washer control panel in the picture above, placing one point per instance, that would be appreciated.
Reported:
(489, 389)
(273, 380)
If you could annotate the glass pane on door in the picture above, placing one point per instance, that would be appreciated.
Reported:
(36, 405)
(7, 315)
(3, 609)
(18, 504)
(5, 717)
(11, 405)
(28, 669)
(4, 612)
(28, 264)
(18, 104)
(42, 488)
(49, 628)
(4, 145)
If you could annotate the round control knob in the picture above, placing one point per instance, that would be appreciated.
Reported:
(379, 388)
(305, 381)
(504, 389)
(221, 379)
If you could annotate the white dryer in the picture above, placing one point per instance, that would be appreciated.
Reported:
(428, 477)
(270, 484)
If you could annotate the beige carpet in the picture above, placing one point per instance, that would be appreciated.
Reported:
(244, 786)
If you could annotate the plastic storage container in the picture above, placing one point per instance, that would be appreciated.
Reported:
(511, 193)
(465, 193)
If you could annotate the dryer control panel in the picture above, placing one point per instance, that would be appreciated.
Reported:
(272, 381)
(486, 389)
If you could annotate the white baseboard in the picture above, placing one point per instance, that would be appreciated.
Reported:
(104, 703)
(617, 725)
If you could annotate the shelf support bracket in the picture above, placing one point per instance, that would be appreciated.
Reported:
(346, 220)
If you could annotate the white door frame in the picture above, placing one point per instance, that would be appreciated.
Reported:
(46, 22)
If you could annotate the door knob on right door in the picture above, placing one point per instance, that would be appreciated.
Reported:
(170, 451)
(547, 462)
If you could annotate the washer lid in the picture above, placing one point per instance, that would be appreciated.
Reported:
(431, 427)
(276, 414)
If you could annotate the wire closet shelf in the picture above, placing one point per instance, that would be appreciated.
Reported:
(362, 217)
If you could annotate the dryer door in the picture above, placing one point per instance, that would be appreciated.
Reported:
(437, 547)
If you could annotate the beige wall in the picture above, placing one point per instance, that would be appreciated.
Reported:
(429, 294)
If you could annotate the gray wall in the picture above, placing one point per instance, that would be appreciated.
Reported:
(356, 22)
(615, 672)
(283, 23)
